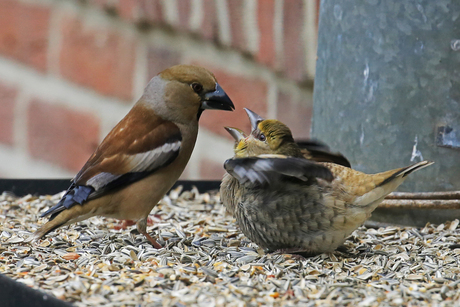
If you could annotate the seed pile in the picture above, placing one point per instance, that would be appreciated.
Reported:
(206, 261)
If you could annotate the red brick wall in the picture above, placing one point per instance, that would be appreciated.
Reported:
(97, 57)
(69, 71)
(75, 135)
(7, 103)
(24, 32)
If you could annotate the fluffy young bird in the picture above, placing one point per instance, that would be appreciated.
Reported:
(144, 155)
(284, 202)
(309, 149)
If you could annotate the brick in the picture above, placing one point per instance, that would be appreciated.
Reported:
(61, 136)
(161, 58)
(7, 102)
(209, 26)
(140, 11)
(294, 52)
(24, 32)
(211, 170)
(183, 8)
(265, 17)
(152, 11)
(97, 57)
(235, 10)
(245, 92)
(128, 9)
(296, 113)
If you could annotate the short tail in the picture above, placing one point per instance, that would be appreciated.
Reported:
(403, 172)
(47, 228)
(72, 215)
(387, 182)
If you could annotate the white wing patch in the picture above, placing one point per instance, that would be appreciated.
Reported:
(141, 162)
(101, 180)
(152, 159)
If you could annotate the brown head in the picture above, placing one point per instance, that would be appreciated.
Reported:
(182, 92)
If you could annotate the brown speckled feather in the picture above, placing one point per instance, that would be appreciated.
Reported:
(313, 216)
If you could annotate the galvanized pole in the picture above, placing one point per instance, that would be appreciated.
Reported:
(387, 87)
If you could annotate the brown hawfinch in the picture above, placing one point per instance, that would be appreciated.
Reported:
(144, 155)
(284, 202)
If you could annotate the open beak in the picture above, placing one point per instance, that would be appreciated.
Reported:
(236, 133)
(217, 100)
(254, 118)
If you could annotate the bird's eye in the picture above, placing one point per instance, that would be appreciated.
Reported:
(262, 137)
(196, 87)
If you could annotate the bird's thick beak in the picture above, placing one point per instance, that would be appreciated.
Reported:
(236, 133)
(217, 100)
(254, 118)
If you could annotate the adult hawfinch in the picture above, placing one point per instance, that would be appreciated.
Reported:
(144, 155)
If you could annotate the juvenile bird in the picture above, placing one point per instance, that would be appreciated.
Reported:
(144, 154)
(314, 150)
(284, 202)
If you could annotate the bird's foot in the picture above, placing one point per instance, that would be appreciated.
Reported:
(345, 251)
(296, 253)
(153, 241)
(126, 223)
(297, 257)
(142, 228)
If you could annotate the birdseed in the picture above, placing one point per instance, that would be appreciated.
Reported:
(206, 261)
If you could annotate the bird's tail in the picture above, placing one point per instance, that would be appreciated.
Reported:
(45, 229)
(386, 182)
(69, 216)
(401, 173)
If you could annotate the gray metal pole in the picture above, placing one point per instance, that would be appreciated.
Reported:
(387, 86)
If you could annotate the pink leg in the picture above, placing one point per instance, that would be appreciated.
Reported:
(142, 228)
(124, 224)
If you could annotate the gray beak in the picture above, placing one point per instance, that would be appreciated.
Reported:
(237, 134)
(217, 100)
(254, 118)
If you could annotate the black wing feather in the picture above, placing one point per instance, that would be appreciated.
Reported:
(320, 152)
(270, 171)
(74, 195)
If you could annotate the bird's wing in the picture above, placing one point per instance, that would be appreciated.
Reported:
(325, 156)
(312, 144)
(272, 169)
(318, 151)
(134, 149)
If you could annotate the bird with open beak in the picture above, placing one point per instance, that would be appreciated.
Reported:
(144, 154)
(285, 202)
(310, 149)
